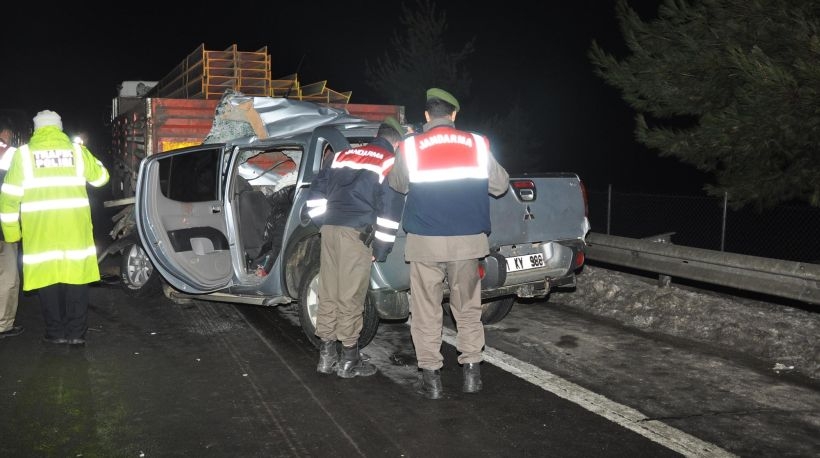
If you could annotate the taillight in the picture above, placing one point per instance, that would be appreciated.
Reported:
(481, 271)
(579, 259)
(524, 189)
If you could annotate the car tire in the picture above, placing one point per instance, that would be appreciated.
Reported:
(308, 307)
(138, 278)
(491, 312)
(495, 311)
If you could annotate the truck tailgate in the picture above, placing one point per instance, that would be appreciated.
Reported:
(553, 209)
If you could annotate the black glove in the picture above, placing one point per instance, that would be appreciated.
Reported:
(366, 236)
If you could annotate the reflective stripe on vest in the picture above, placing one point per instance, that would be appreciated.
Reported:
(32, 182)
(422, 173)
(8, 155)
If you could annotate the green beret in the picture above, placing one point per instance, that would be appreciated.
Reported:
(394, 123)
(441, 94)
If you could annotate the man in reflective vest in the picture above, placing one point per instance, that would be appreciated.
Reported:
(9, 275)
(446, 174)
(44, 203)
(358, 215)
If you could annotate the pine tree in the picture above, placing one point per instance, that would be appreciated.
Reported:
(418, 60)
(729, 86)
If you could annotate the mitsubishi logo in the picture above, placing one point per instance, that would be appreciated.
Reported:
(528, 214)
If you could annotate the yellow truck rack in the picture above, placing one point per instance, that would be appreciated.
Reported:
(206, 74)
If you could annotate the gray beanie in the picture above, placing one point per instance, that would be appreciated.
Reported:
(47, 118)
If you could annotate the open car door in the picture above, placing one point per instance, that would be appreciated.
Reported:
(181, 219)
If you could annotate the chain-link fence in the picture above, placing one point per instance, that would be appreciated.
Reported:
(788, 232)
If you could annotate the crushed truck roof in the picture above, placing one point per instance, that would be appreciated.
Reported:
(249, 118)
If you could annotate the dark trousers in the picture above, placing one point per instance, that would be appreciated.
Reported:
(65, 310)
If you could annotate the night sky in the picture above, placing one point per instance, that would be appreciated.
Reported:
(71, 61)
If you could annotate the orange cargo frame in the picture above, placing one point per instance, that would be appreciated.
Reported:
(180, 122)
(162, 124)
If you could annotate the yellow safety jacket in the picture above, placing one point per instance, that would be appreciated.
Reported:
(44, 194)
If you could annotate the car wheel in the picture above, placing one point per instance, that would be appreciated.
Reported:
(309, 307)
(495, 311)
(491, 312)
(137, 275)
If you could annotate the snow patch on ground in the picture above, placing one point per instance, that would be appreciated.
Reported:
(784, 335)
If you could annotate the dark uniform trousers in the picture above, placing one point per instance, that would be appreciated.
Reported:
(427, 292)
(65, 310)
(344, 274)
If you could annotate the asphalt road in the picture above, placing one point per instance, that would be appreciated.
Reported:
(212, 379)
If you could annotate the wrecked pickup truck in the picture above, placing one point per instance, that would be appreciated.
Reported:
(226, 221)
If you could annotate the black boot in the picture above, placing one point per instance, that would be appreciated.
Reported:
(430, 384)
(328, 357)
(352, 365)
(472, 378)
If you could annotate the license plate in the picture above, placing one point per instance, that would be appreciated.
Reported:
(526, 262)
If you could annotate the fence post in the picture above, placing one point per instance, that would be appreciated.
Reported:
(723, 224)
(608, 208)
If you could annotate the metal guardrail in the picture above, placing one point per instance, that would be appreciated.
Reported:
(787, 279)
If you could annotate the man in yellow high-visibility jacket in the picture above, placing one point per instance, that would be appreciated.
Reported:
(44, 194)
(9, 275)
